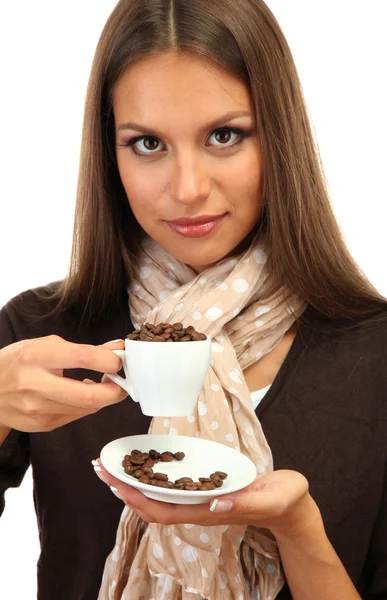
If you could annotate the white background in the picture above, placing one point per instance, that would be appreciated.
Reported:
(46, 49)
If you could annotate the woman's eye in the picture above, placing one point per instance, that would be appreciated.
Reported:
(146, 145)
(225, 137)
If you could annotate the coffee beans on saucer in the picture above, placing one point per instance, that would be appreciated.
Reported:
(141, 466)
(165, 332)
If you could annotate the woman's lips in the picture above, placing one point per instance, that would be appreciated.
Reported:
(196, 227)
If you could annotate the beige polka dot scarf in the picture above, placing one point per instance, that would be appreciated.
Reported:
(187, 562)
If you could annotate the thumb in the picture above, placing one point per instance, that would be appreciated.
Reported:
(223, 504)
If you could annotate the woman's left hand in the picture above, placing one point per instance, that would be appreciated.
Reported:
(279, 501)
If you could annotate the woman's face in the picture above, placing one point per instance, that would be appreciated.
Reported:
(188, 156)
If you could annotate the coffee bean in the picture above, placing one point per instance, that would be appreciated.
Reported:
(144, 479)
(179, 486)
(147, 470)
(160, 476)
(216, 480)
(221, 474)
(207, 485)
(162, 484)
(179, 455)
(186, 338)
(130, 470)
(191, 487)
(166, 457)
(138, 473)
(138, 460)
(205, 479)
(146, 337)
(184, 480)
(177, 326)
(198, 337)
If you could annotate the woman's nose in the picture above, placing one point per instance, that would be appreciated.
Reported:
(191, 182)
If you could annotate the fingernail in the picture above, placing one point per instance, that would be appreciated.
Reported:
(105, 379)
(114, 341)
(95, 463)
(116, 493)
(98, 472)
(221, 505)
(88, 381)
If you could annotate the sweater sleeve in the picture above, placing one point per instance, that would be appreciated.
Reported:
(375, 570)
(14, 451)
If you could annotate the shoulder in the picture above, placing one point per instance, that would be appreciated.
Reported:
(346, 358)
(345, 331)
(33, 302)
(26, 312)
(37, 313)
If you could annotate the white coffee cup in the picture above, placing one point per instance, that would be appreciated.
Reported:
(164, 378)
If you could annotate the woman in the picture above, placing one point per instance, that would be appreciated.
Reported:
(201, 194)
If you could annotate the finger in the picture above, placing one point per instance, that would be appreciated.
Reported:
(43, 409)
(114, 345)
(71, 392)
(68, 355)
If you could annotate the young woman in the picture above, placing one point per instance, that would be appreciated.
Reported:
(201, 199)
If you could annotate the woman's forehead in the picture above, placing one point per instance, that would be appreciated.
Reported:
(178, 84)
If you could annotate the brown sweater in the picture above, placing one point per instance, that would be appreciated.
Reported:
(325, 416)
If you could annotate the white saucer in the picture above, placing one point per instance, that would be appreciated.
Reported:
(202, 457)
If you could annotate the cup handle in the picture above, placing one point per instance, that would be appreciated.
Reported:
(124, 383)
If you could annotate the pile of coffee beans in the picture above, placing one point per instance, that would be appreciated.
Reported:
(140, 465)
(165, 332)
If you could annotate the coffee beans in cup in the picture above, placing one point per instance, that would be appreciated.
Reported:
(165, 332)
(141, 466)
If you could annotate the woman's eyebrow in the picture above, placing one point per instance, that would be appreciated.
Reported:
(222, 121)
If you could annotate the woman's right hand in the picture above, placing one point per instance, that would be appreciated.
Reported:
(34, 395)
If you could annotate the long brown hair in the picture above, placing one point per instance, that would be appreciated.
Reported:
(306, 250)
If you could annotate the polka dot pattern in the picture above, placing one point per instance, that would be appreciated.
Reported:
(189, 554)
(163, 295)
(260, 256)
(240, 286)
(158, 552)
(145, 272)
(202, 408)
(261, 310)
(214, 313)
(217, 348)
